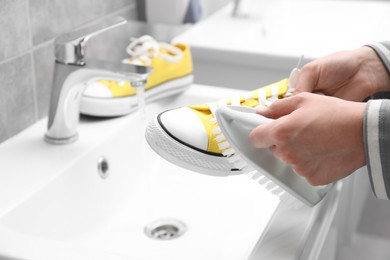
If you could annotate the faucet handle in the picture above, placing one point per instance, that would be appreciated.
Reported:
(70, 47)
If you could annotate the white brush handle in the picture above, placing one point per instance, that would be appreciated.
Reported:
(236, 123)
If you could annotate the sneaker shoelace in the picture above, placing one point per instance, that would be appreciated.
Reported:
(142, 50)
(261, 98)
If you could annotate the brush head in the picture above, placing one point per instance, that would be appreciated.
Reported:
(236, 123)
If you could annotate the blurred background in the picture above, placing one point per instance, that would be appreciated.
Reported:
(240, 44)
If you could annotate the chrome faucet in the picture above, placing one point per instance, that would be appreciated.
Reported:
(72, 74)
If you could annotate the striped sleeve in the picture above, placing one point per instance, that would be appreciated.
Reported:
(377, 134)
(383, 51)
(377, 146)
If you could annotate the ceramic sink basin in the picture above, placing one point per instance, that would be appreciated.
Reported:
(55, 204)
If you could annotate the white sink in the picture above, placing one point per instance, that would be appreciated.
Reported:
(55, 205)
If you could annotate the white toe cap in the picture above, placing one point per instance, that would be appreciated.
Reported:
(184, 125)
(97, 90)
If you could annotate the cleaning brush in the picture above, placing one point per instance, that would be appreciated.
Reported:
(234, 126)
(236, 123)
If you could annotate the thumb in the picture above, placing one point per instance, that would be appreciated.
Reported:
(307, 79)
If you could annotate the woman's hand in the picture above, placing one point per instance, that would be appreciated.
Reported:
(350, 75)
(320, 137)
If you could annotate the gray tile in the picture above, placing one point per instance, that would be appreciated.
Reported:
(43, 64)
(96, 9)
(111, 45)
(17, 109)
(3, 132)
(50, 18)
(14, 27)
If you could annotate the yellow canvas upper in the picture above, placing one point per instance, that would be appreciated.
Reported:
(163, 71)
(205, 115)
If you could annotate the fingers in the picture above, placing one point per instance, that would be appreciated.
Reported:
(270, 134)
(282, 107)
(261, 136)
(300, 136)
(308, 78)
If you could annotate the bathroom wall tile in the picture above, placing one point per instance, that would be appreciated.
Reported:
(50, 18)
(3, 132)
(14, 27)
(43, 67)
(17, 109)
(111, 45)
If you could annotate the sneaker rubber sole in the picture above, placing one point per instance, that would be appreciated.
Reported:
(111, 107)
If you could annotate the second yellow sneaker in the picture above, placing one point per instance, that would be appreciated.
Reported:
(172, 73)
(188, 136)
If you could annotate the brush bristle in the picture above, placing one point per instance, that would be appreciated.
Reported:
(217, 130)
(220, 138)
(238, 163)
(224, 145)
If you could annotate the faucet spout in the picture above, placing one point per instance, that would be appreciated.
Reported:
(69, 83)
(72, 74)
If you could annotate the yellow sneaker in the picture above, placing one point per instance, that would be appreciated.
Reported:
(187, 136)
(172, 73)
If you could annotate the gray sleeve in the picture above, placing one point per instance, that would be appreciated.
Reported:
(383, 51)
(377, 134)
(377, 146)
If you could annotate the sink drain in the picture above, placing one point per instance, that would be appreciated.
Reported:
(165, 229)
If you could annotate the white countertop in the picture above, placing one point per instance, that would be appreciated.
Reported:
(291, 28)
